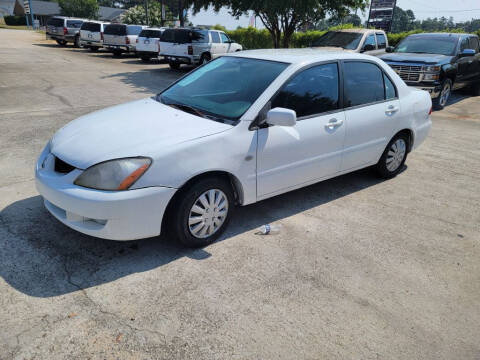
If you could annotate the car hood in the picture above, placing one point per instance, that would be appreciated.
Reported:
(140, 128)
(332, 48)
(416, 58)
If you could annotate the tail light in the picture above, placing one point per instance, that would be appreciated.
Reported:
(127, 40)
(430, 112)
(190, 50)
(158, 44)
(65, 31)
(101, 36)
(136, 40)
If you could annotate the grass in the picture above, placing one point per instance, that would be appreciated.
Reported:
(17, 27)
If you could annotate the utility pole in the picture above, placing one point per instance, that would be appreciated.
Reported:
(146, 11)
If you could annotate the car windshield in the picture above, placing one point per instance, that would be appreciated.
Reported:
(224, 89)
(346, 40)
(428, 45)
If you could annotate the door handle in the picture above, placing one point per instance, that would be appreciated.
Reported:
(391, 110)
(333, 123)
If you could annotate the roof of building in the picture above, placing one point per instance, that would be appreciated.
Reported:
(108, 13)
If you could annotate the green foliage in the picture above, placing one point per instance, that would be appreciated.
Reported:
(252, 38)
(79, 8)
(15, 20)
(136, 15)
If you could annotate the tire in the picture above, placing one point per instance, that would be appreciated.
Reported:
(442, 100)
(205, 58)
(192, 227)
(145, 58)
(174, 65)
(117, 53)
(394, 157)
(61, 42)
(76, 42)
(476, 89)
(93, 48)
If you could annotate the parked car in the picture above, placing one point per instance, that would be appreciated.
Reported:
(367, 41)
(240, 129)
(148, 43)
(194, 46)
(121, 38)
(64, 30)
(437, 63)
(91, 34)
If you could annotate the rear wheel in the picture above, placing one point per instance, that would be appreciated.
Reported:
(145, 58)
(440, 102)
(393, 158)
(174, 65)
(205, 59)
(117, 53)
(93, 48)
(61, 42)
(476, 89)
(76, 41)
(202, 212)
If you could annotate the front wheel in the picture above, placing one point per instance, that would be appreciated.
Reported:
(145, 58)
(393, 158)
(76, 41)
(440, 102)
(93, 48)
(117, 53)
(61, 42)
(476, 89)
(202, 212)
(174, 65)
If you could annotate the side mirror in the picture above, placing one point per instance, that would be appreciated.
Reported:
(368, 47)
(389, 49)
(467, 52)
(281, 117)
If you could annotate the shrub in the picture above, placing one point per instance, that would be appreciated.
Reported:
(15, 20)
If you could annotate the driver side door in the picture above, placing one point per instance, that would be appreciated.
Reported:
(292, 157)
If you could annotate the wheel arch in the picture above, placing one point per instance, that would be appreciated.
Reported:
(410, 135)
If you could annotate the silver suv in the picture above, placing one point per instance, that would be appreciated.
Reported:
(91, 35)
(64, 30)
(194, 46)
(121, 38)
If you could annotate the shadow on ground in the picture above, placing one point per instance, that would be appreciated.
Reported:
(41, 257)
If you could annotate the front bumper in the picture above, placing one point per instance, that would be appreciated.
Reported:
(434, 91)
(113, 215)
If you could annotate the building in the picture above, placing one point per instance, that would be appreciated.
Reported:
(43, 10)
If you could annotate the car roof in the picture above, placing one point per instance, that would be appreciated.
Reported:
(300, 56)
(358, 30)
(457, 35)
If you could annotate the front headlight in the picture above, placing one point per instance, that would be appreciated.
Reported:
(432, 69)
(431, 77)
(117, 174)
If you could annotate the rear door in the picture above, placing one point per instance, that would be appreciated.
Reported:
(132, 33)
(166, 42)
(226, 43)
(73, 26)
(372, 109)
(55, 26)
(115, 34)
(148, 40)
(217, 46)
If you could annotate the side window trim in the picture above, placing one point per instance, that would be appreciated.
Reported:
(342, 63)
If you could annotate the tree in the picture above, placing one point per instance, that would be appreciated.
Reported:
(79, 8)
(283, 17)
(136, 15)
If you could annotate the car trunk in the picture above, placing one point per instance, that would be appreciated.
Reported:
(115, 34)
(55, 26)
(90, 32)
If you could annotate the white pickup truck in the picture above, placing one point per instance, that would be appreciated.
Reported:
(366, 41)
(194, 46)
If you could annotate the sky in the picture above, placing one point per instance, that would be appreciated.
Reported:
(461, 10)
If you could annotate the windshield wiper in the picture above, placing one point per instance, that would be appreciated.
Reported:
(189, 109)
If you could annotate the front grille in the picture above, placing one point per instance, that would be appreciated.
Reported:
(408, 73)
(62, 167)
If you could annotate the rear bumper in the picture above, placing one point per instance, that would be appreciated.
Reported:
(179, 59)
(141, 53)
(68, 38)
(84, 42)
(122, 48)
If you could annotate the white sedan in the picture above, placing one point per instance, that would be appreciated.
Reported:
(240, 129)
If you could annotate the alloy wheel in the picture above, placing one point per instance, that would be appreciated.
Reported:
(445, 94)
(208, 213)
(395, 155)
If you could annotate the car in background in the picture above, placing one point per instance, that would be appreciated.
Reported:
(241, 128)
(121, 38)
(193, 46)
(91, 34)
(148, 43)
(366, 41)
(64, 30)
(438, 63)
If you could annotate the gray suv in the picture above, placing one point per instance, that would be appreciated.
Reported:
(64, 30)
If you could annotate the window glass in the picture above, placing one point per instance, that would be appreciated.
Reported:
(168, 36)
(313, 91)
(200, 36)
(55, 22)
(346, 40)
(134, 29)
(428, 44)
(74, 23)
(215, 37)
(150, 33)
(390, 92)
(370, 40)
(363, 83)
(116, 29)
(224, 38)
(225, 87)
(464, 44)
(474, 44)
(381, 41)
(90, 26)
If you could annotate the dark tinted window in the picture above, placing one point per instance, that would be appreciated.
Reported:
(168, 36)
(55, 22)
(313, 91)
(363, 83)
(134, 29)
(90, 26)
(199, 36)
(390, 91)
(428, 45)
(474, 44)
(215, 37)
(74, 23)
(182, 36)
(341, 39)
(381, 41)
(370, 40)
(150, 33)
(115, 29)
(464, 44)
